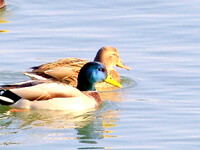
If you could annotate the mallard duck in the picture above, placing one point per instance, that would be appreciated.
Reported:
(66, 70)
(60, 96)
(2, 4)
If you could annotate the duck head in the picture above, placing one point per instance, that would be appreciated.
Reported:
(92, 73)
(109, 57)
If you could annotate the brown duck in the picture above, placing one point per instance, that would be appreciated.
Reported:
(66, 70)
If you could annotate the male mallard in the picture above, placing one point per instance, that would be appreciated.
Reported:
(59, 96)
(66, 70)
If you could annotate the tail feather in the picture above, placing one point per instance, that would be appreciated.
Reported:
(7, 97)
(35, 67)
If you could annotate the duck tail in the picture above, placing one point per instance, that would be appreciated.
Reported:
(7, 97)
(35, 67)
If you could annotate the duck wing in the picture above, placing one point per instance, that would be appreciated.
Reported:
(65, 70)
(68, 62)
(47, 91)
(64, 74)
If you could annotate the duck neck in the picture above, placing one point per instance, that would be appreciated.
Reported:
(85, 86)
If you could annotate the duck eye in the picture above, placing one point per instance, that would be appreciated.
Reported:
(116, 55)
(101, 69)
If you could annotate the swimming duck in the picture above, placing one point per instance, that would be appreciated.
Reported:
(66, 70)
(60, 96)
(2, 4)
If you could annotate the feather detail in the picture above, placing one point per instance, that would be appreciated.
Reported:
(66, 70)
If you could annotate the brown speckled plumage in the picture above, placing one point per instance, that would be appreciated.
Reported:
(66, 70)
(65, 62)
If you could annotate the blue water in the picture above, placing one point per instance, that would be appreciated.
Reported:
(159, 106)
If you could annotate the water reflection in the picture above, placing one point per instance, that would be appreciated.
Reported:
(44, 126)
(119, 94)
(6, 12)
(99, 128)
(2, 16)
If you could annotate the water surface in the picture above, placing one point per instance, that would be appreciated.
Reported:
(159, 106)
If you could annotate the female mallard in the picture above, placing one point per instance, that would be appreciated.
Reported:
(59, 96)
(66, 70)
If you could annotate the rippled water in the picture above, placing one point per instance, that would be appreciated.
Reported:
(159, 106)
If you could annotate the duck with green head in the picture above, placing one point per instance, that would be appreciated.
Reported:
(59, 96)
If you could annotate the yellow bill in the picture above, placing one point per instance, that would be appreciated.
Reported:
(119, 64)
(113, 82)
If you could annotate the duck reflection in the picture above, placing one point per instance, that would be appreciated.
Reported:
(59, 125)
(2, 14)
(116, 96)
(99, 128)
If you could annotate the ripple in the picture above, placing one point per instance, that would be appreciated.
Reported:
(128, 82)
(12, 5)
(158, 106)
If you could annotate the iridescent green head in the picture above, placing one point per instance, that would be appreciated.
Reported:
(92, 73)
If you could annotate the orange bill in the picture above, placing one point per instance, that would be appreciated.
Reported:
(119, 64)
